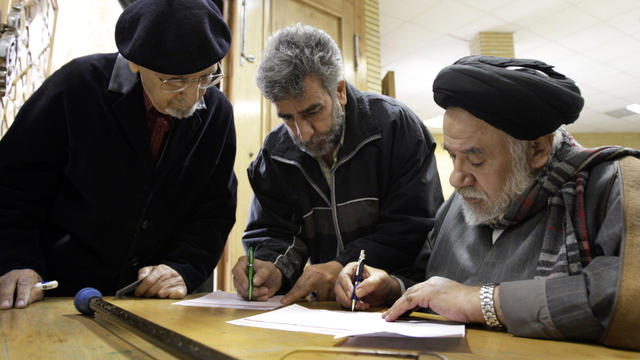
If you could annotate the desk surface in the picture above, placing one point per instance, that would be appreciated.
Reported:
(54, 329)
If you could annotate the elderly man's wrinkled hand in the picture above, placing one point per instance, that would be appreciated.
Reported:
(21, 283)
(446, 297)
(318, 279)
(161, 281)
(376, 289)
(267, 279)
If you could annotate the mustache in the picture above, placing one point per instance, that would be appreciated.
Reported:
(470, 192)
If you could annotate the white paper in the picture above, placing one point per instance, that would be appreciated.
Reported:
(231, 300)
(346, 323)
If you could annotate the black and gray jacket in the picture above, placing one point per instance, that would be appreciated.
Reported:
(384, 200)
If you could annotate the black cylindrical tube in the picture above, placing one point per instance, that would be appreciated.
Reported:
(170, 341)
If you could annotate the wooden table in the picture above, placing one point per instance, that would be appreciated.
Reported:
(53, 329)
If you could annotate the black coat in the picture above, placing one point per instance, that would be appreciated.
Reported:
(81, 199)
(384, 200)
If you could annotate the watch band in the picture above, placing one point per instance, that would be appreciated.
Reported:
(488, 307)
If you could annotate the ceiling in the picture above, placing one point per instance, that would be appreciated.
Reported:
(594, 42)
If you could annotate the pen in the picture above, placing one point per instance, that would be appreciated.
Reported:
(250, 271)
(46, 285)
(359, 269)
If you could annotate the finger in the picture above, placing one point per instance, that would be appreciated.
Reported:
(362, 305)
(324, 291)
(262, 293)
(154, 290)
(242, 286)
(7, 289)
(263, 271)
(145, 271)
(300, 289)
(240, 279)
(367, 286)
(343, 289)
(23, 291)
(405, 303)
(151, 278)
(178, 292)
(164, 276)
(173, 289)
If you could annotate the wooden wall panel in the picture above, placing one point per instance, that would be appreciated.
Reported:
(372, 46)
(240, 87)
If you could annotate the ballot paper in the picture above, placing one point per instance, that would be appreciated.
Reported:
(231, 300)
(346, 323)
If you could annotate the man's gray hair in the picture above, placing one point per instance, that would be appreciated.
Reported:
(291, 54)
(518, 148)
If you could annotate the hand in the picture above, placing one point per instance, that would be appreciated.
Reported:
(161, 281)
(446, 297)
(21, 282)
(318, 278)
(376, 288)
(267, 279)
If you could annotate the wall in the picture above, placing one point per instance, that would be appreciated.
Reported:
(27, 39)
(84, 27)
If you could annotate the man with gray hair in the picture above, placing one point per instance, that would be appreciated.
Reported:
(531, 239)
(346, 171)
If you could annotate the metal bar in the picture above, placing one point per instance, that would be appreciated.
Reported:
(176, 344)
(243, 55)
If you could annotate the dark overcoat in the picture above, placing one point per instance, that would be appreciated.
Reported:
(83, 202)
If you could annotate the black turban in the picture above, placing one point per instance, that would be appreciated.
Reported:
(176, 37)
(524, 98)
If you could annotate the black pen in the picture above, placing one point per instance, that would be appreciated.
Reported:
(354, 298)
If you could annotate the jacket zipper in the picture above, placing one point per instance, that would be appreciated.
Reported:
(334, 206)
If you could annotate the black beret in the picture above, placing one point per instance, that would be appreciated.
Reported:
(522, 97)
(176, 37)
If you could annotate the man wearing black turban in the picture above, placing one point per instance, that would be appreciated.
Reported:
(530, 241)
(120, 166)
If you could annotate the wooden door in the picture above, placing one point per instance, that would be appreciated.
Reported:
(336, 17)
(251, 23)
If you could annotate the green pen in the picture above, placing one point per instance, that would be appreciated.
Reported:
(250, 271)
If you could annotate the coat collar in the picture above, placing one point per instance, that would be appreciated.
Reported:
(122, 78)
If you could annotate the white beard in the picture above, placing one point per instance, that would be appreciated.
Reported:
(518, 181)
(185, 113)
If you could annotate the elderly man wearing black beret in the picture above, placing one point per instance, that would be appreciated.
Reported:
(120, 166)
(530, 240)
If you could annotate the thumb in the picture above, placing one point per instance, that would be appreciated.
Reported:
(144, 272)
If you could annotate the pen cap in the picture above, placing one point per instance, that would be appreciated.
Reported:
(83, 298)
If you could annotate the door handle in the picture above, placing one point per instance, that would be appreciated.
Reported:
(243, 55)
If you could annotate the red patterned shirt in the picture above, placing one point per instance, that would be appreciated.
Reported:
(158, 124)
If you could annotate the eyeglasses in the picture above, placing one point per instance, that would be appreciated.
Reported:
(204, 82)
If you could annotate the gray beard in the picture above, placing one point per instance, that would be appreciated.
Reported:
(519, 180)
(329, 141)
(181, 114)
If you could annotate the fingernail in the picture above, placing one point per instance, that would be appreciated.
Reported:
(5, 304)
(20, 303)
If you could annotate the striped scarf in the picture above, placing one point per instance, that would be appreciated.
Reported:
(560, 188)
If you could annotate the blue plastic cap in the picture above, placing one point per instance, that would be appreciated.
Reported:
(83, 297)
